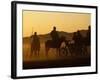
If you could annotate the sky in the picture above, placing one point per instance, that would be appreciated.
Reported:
(42, 22)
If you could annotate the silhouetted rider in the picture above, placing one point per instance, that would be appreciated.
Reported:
(54, 34)
(78, 39)
(35, 43)
(88, 36)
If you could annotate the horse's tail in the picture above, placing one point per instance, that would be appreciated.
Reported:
(47, 47)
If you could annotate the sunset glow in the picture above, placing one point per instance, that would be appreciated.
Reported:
(43, 22)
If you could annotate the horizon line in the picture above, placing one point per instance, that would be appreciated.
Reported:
(57, 30)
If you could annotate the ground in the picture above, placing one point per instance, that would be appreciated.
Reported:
(52, 60)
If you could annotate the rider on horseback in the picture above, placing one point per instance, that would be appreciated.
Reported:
(77, 37)
(55, 36)
(35, 43)
(88, 36)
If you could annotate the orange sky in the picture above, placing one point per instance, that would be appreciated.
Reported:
(43, 22)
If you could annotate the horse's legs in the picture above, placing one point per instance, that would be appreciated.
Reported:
(47, 50)
(67, 50)
(84, 50)
(31, 51)
(70, 49)
(35, 52)
(58, 51)
(38, 52)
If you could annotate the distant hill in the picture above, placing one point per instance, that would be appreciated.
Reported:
(45, 37)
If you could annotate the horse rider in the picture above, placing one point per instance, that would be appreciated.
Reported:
(88, 36)
(55, 36)
(78, 42)
(35, 43)
(87, 41)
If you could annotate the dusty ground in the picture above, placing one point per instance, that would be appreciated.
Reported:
(52, 60)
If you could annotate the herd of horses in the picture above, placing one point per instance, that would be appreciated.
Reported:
(63, 46)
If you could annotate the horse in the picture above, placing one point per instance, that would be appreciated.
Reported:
(70, 46)
(54, 44)
(76, 49)
(86, 46)
(35, 47)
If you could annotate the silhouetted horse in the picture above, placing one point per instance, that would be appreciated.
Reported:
(71, 47)
(75, 49)
(86, 46)
(35, 47)
(54, 44)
